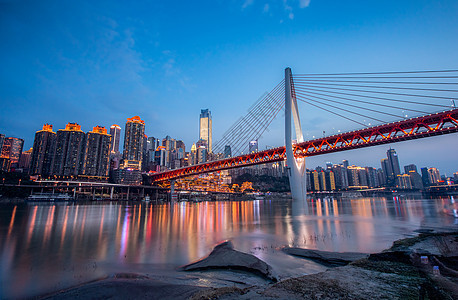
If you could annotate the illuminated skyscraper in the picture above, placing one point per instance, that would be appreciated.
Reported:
(227, 151)
(115, 132)
(253, 147)
(97, 152)
(392, 167)
(11, 150)
(24, 161)
(44, 148)
(2, 138)
(133, 143)
(69, 157)
(205, 128)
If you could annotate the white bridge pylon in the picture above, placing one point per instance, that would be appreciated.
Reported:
(295, 166)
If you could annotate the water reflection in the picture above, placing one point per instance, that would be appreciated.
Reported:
(45, 247)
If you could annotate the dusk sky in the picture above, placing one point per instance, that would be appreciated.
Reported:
(101, 62)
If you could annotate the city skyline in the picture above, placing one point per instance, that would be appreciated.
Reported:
(62, 58)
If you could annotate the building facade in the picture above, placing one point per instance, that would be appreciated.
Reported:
(115, 132)
(97, 152)
(69, 157)
(205, 128)
(43, 151)
(11, 151)
(133, 143)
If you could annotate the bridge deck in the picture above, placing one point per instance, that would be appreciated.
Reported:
(415, 128)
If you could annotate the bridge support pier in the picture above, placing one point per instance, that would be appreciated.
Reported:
(295, 167)
(172, 191)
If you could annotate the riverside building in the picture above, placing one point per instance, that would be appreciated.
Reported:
(69, 157)
(43, 150)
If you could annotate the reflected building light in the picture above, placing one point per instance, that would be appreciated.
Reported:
(10, 227)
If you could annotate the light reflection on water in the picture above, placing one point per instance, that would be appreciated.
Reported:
(48, 247)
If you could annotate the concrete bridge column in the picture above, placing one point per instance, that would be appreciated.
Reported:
(295, 167)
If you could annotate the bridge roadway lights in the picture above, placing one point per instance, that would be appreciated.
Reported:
(295, 167)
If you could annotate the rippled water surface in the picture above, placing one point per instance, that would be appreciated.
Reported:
(47, 247)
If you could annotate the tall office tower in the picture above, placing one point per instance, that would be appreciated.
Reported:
(409, 168)
(97, 154)
(133, 143)
(44, 148)
(193, 155)
(425, 177)
(205, 128)
(169, 144)
(159, 156)
(181, 149)
(434, 175)
(227, 151)
(393, 161)
(201, 154)
(69, 157)
(345, 163)
(372, 179)
(115, 132)
(2, 138)
(24, 161)
(381, 177)
(11, 150)
(253, 146)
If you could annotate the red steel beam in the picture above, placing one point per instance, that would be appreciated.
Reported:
(414, 128)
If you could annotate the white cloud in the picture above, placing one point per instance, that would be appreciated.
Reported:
(291, 16)
(266, 7)
(304, 3)
(247, 3)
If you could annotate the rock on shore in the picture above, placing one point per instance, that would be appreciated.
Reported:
(224, 256)
(331, 259)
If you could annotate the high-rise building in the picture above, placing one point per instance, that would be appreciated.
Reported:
(416, 180)
(345, 163)
(193, 155)
(201, 154)
(133, 143)
(434, 175)
(227, 151)
(115, 132)
(97, 152)
(69, 157)
(253, 146)
(425, 177)
(409, 168)
(24, 161)
(372, 179)
(392, 167)
(2, 138)
(159, 155)
(44, 148)
(205, 128)
(11, 150)
(403, 181)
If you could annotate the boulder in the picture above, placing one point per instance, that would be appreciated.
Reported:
(331, 259)
(224, 256)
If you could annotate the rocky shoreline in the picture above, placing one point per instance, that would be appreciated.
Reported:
(423, 267)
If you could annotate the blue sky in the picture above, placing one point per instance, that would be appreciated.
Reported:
(100, 62)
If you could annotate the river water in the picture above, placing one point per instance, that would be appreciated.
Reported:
(47, 247)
